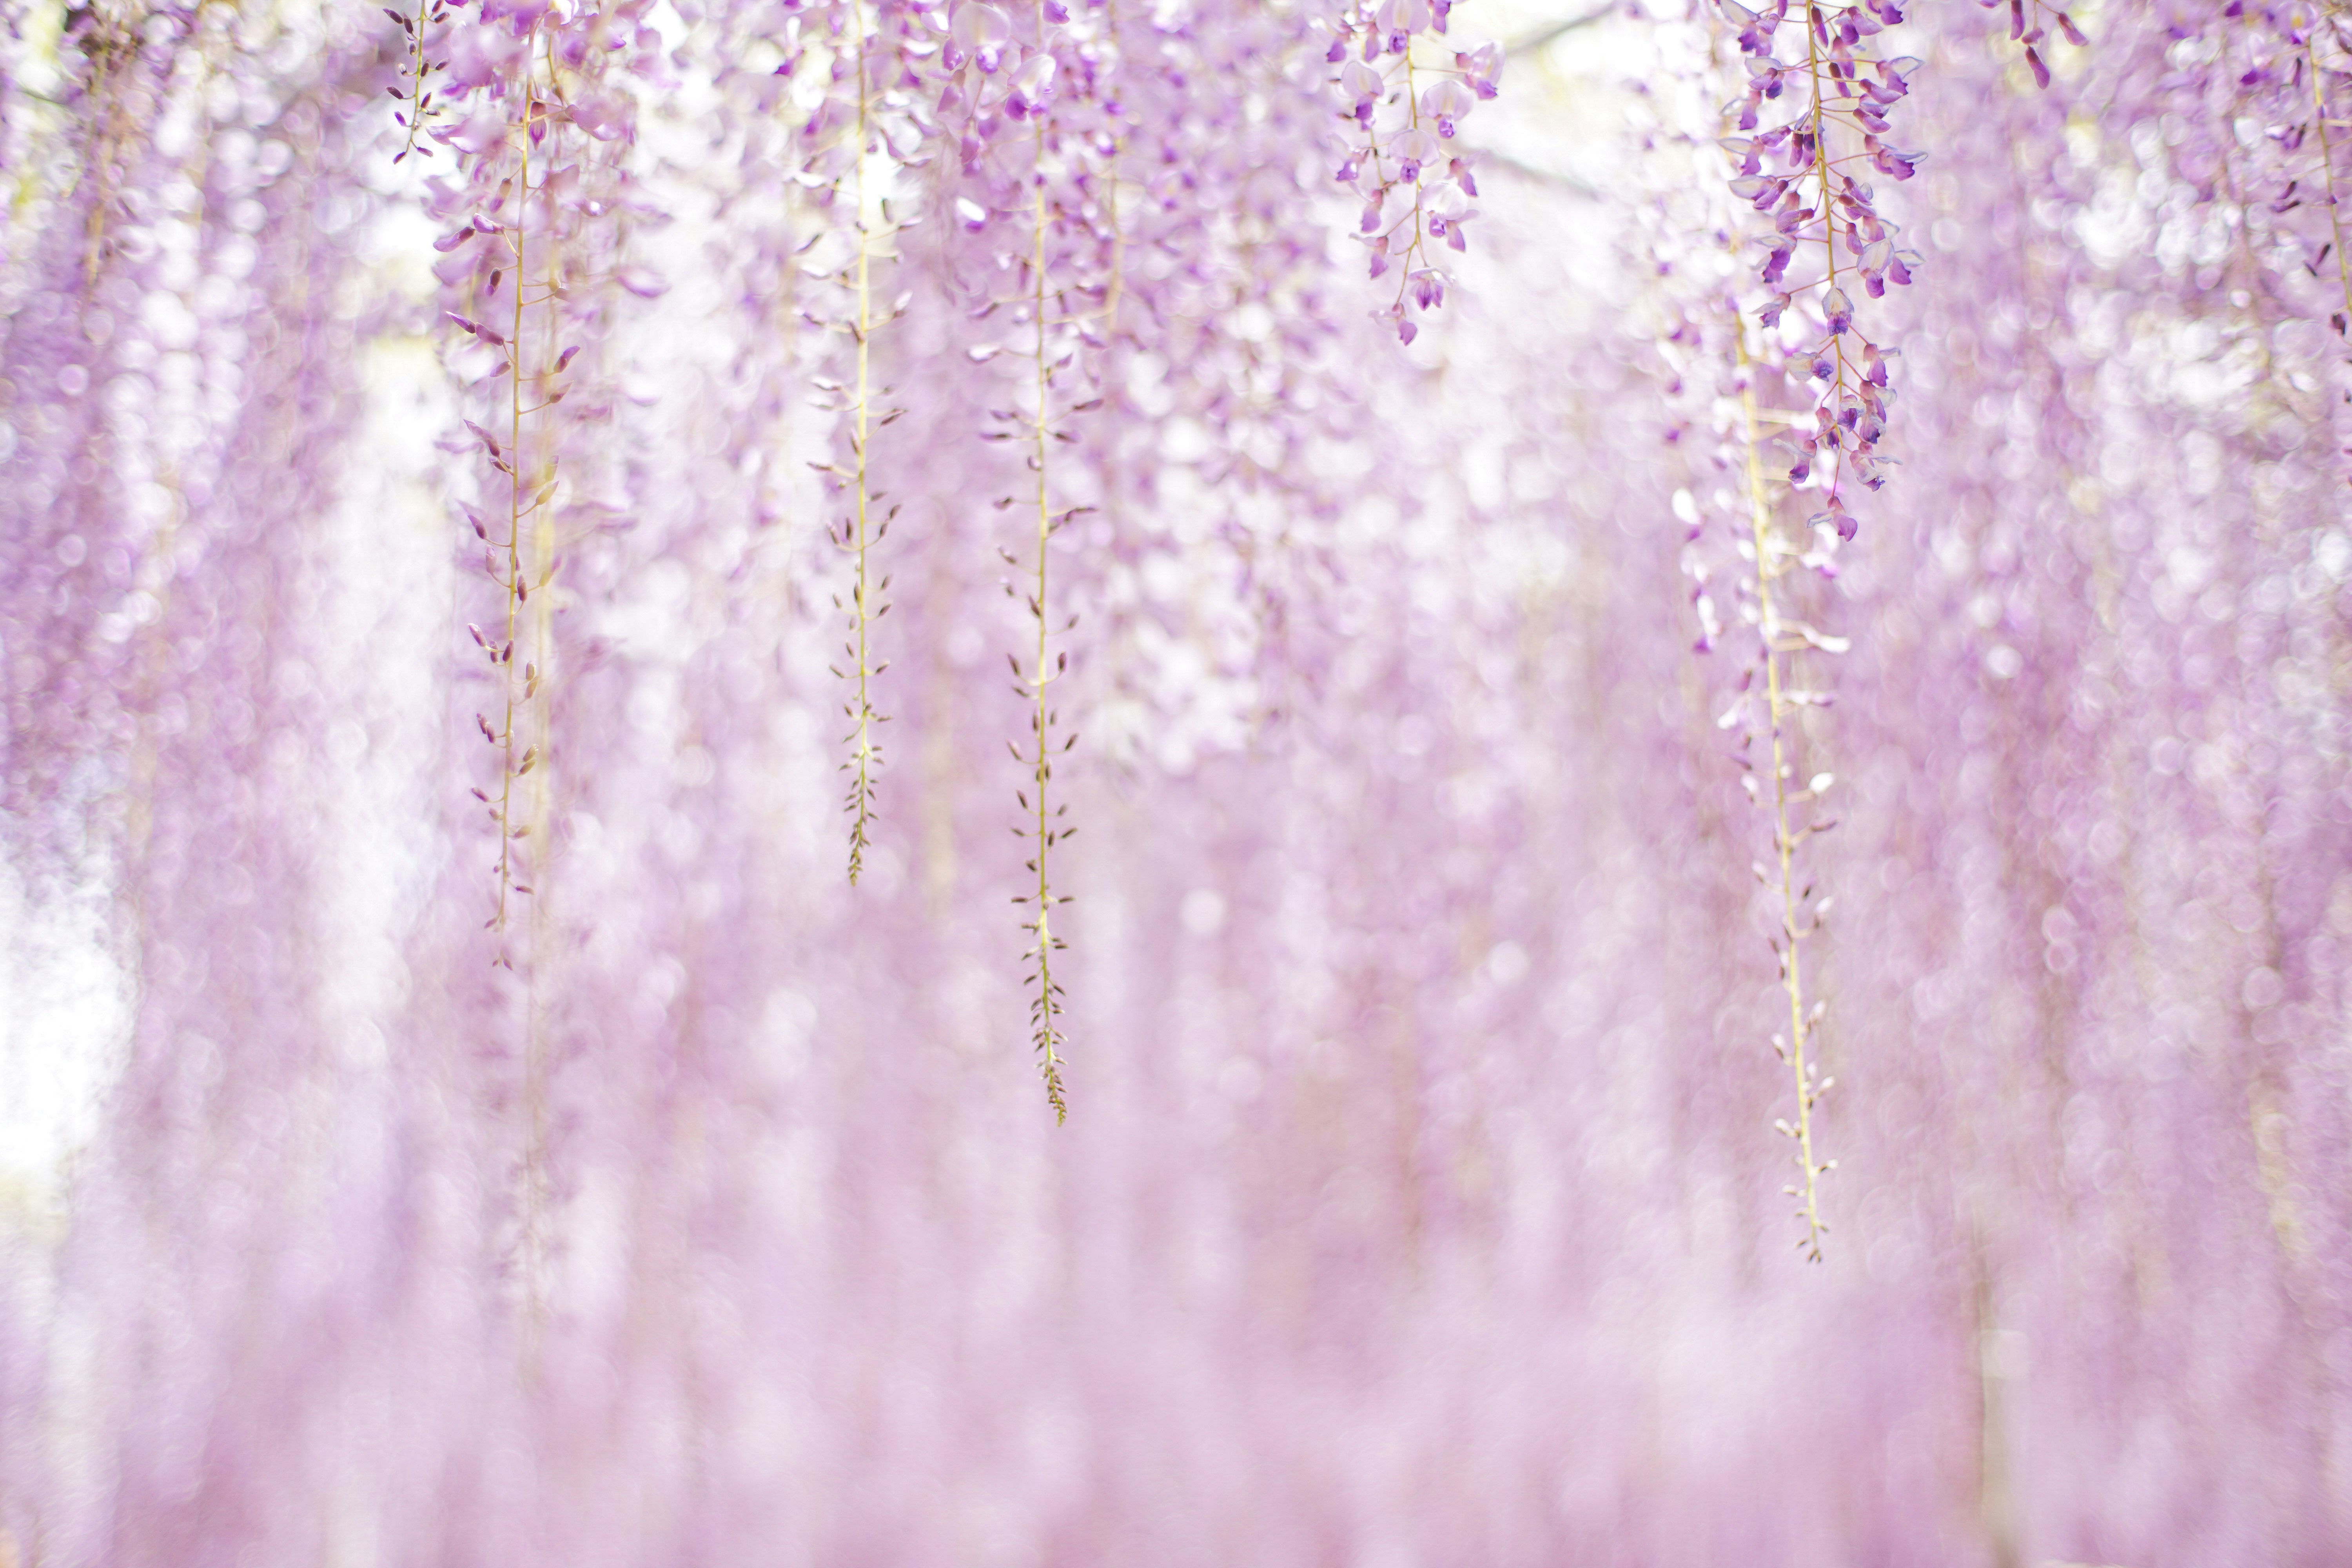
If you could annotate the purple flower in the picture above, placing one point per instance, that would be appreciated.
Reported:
(1414, 150)
(1482, 67)
(1032, 86)
(1447, 102)
(981, 33)
(1837, 310)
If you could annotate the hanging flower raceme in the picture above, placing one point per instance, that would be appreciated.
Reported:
(1430, 1012)
(1035, 97)
(1401, 109)
(871, 127)
(417, 110)
(1754, 570)
(1827, 239)
(526, 273)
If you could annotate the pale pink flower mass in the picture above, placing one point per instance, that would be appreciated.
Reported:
(922, 782)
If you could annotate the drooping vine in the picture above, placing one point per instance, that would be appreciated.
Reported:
(1411, 1015)
(529, 480)
(877, 132)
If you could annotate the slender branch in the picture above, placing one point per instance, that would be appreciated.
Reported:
(1829, 250)
(419, 100)
(864, 753)
(515, 238)
(2328, 162)
(1791, 977)
(1046, 1009)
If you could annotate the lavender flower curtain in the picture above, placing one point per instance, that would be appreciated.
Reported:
(877, 781)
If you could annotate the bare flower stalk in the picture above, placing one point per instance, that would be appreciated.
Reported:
(864, 608)
(1771, 560)
(524, 808)
(1055, 195)
(1045, 1009)
(520, 572)
(419, 111)
(2328, 168)
(517, 594)
(1045, 825)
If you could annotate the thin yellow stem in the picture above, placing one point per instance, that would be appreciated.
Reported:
(1829, 223)
(864, 751)
(1412, 118)
(2328, 162)
(417, 80)
(1759, 531)
(1041, 678)
(515, 242)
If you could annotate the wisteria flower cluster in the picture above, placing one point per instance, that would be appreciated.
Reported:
(532, 256)
(1403, 159)
(540, 540)
(1806, 173)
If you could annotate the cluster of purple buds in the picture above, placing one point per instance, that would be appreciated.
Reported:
(1402, 115)
(418, 111)
(1826, 226)
(993, 78)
